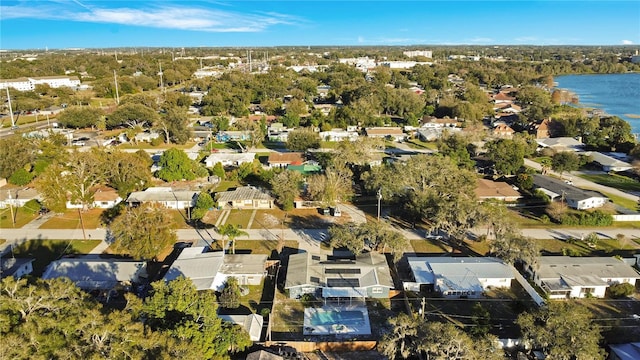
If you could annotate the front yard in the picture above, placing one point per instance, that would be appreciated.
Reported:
(46, 251)
(70, 219)
(22, 216)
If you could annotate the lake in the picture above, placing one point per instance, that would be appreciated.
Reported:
(616, 94)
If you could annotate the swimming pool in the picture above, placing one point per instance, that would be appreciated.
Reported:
(335, 317)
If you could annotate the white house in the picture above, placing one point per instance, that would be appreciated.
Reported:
(459, 276)
(103, 274)
(228, 159)
(164, 196)
(414, 53)
(210, 270)
(104, 198)
(576, 198)
(563, 277)
(608, 163)
(17, 197)
(339, 135)
(16, 267)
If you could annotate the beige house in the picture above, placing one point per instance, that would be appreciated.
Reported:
(245, 197)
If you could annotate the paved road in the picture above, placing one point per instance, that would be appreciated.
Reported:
(583, 183)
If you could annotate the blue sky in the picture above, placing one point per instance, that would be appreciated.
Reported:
(34, 24)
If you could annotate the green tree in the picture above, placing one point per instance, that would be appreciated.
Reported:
(174, 124)
(507, 155)
(230, 295)
(621, 290)
(457, 148)
(203, 204)
(480, 319)
(127, 172)
(80, 117)
(21, 177)
(132, 115)
(15, 153)
(143, 232)
(176, 166)
(303, 139)
(565, 161)
(331, 187)
(286, 187)
(563, 330)
(185, 315)
(404, 339)
(218, 170)
(231, 231)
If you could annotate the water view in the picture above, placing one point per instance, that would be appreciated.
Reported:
(616, 94)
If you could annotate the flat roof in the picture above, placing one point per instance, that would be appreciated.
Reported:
(426, 270)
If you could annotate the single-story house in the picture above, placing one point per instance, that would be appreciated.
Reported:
(104, 198)
(563, 277)
(228, 159)
(263, 355)
(165, 196)
(435, 133)
(245, 197)
(608, 163)
(628, 351)
(210, 270)
(147, 136)
(252, 324)
(367, 276)
(576, 198)
(459, 276)
(16, 267)
(101, 274)
(17, 197)
(282, 160)
(339, 135)
(489, 189)
(435, 122)
(391, 132)
(561, 144)
(224, 136)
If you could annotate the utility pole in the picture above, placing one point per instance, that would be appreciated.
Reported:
(161, 80)
(13, 123)
(84, 233)
(115, 80)
(13, 219)
(379, 198)
(423, 303)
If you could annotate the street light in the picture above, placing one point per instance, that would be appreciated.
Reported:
(379, 198)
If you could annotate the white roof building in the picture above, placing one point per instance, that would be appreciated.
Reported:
(459, 276)
(29, 83)
(229, 159)
(251, 323)
(578, 277)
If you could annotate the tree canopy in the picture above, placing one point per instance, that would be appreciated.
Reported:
(176, 166)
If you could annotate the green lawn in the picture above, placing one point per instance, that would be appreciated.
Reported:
(46, 251)
(419, 144)
(428, 246)
(265, 247)
(71, 220)
(226, 185)
(239, 217)
(613, 180)
(21, 214)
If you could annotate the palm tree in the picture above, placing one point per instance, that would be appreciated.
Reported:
(232, 232)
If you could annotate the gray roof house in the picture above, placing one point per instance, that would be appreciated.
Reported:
(367, 276)
(16, 267)
(578, 277)
(165, 196)
(210, 270)
(561, 144)
(628, 351)
(608, 163)
(459, 276)
(575, 197)
(245, 197)
(102, 274)
(17, 197)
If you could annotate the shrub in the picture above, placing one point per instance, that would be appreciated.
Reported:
(21, 177)
(617, 291)
(157, 141)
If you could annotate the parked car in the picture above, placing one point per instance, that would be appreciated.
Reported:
(336, 212)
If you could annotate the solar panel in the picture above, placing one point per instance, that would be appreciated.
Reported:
(342, 271)
(343, 282)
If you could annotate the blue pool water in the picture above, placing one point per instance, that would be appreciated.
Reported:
(333, 317)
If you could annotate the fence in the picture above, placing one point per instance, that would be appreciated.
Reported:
(306, 346)
(627, 217)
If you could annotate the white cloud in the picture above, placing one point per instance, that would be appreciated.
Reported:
(167, 16)
(627, 42)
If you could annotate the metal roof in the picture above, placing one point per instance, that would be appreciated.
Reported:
(201, 268)
(243, 193)
(558, 187)
(582, 270)
(458, 270)
(162, 194)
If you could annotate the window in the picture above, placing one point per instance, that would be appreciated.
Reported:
(376, 290)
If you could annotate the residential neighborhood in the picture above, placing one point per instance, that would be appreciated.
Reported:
(319, 204)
